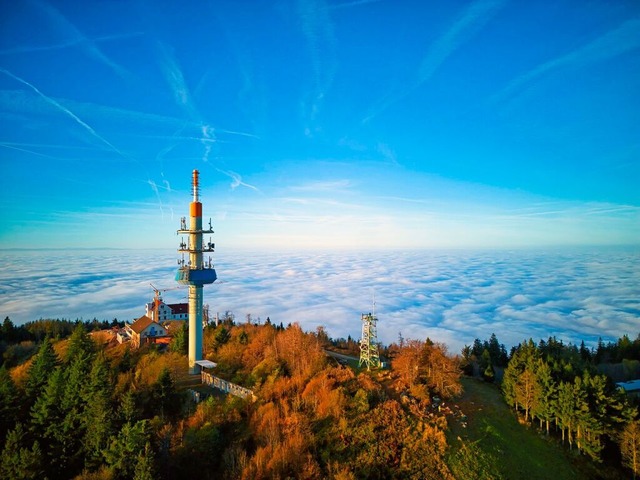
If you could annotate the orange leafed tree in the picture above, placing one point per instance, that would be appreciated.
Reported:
(427, 363)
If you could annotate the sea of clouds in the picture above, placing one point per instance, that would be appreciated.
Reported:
(449, 296)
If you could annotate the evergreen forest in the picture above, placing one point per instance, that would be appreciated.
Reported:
(76, 404)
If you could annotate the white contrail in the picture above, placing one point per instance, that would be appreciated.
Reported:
(154, 187)
(13, 147)
(70, 43)
(616, 42)
(357, 3)
(63, 109)
(468, 24)
(318, 30)
(472, 19)
(45, 145)
(235, 132)
(87, 45)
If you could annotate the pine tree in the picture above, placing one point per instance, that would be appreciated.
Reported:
(222, 336)
(144, 464)
(47, 413)
(630, 446)
(593, 424)
(39, 372)
(564, 407)
(18, 461)
(98, 428)
(360, 402)
(80, 344)
(47, 424)
(489, 374)
(509, 379)
(126, 446)
(97, 422)
(544, 408)
(73, 406)
(164, 393)
(128, 409)
(477, 348)
(527, 391)
(8, 331)
(8, 403)
(523, 357)
(100, 380)
(493, 347)
(485, 360)
(180, 342)
(578, 410)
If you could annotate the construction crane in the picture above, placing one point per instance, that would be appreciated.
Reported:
(158, 298)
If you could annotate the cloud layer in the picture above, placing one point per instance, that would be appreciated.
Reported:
(450, 296)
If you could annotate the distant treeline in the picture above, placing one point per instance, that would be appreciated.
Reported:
(619, 360)
(18, 342)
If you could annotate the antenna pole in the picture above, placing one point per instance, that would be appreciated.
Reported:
(195, 274)
(373, 293)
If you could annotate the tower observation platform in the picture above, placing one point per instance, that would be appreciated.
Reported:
(196, 272)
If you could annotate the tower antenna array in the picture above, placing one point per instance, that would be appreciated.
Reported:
(196, 273)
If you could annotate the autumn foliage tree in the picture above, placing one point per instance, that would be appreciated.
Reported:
(424, 367)
(630, 446)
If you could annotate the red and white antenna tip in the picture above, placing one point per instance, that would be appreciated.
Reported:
(196, 185)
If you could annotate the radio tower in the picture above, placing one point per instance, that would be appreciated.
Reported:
(195, 273)
(369, 342)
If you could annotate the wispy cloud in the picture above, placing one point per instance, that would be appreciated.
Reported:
(472, 20)
(19, 100)
(75, 36)
(45, 145)
(208, 137)
(468, 24)
(324, 186)
(74, 42)
(25, 150)
(175, 79)
(356, 3)
(317, 28)
(387, 153)
(619, 41)
(65, 110)
(236, 180)
(156, 190)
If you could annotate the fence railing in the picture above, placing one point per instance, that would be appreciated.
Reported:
(226, 386)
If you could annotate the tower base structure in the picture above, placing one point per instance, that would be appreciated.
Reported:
(195, 327)
(369, 355)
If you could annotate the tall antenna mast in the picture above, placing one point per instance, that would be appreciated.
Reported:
(373, 294)
(196, 273)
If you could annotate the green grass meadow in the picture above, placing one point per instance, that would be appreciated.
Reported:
(494, 445)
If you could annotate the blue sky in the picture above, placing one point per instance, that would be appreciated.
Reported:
(362, 124)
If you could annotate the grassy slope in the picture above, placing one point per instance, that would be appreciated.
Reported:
(515, 451)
